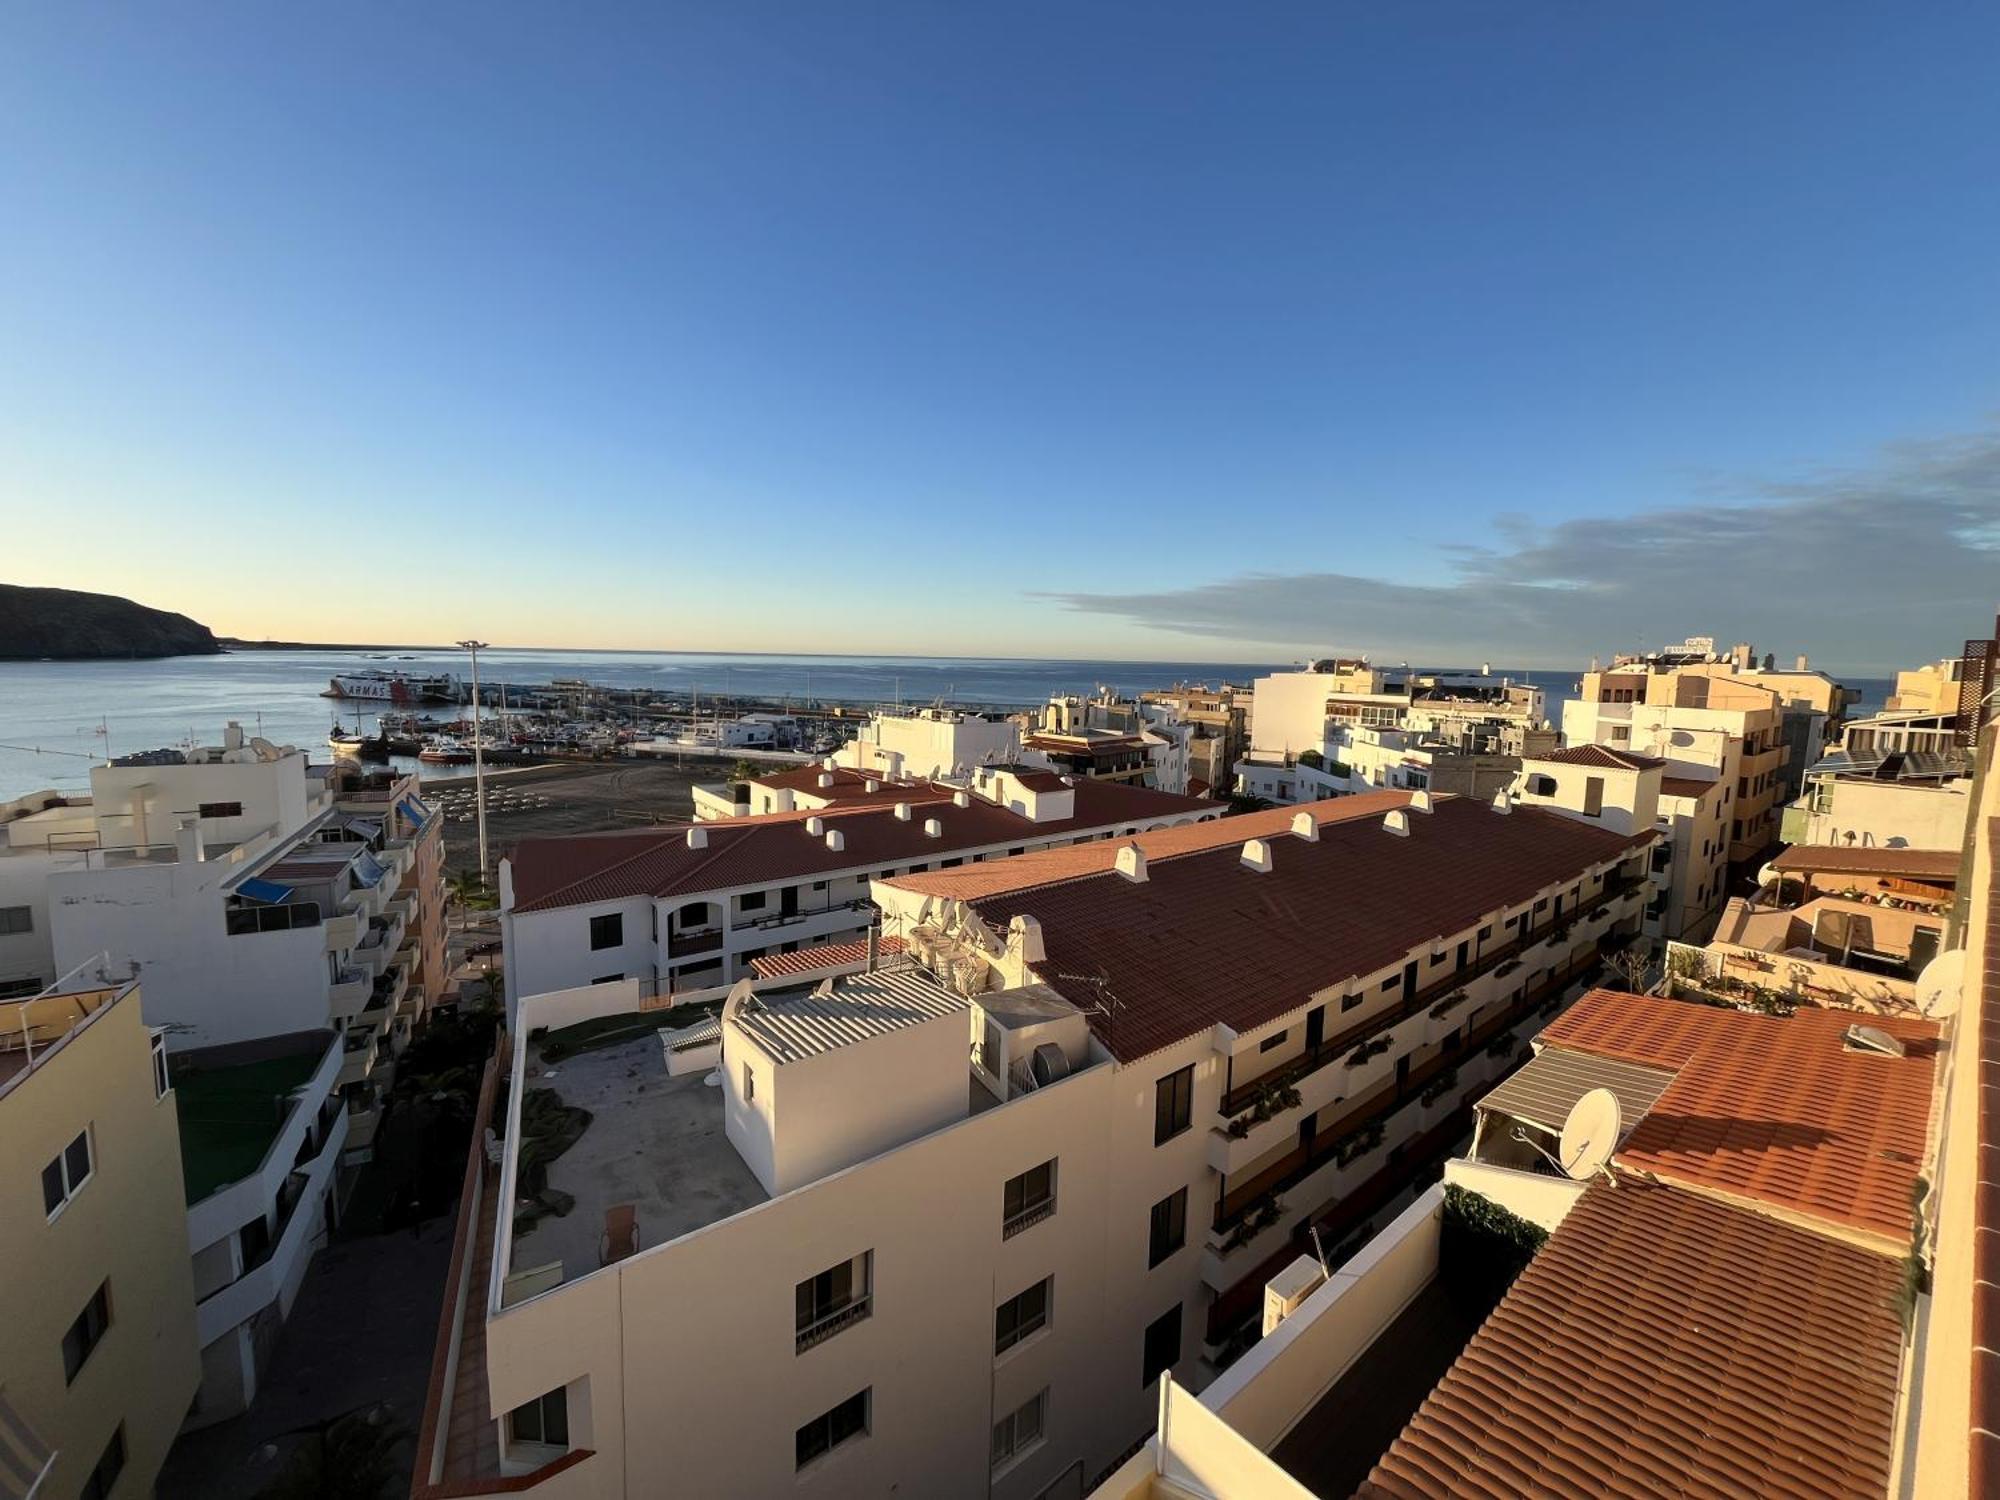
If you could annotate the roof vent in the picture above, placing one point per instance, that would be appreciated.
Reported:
(1872, 1039)
(1028, 930)
(1132, 862)
(830, 762)
(697, 838)
(903, 812)
(1306, 826)
(1257, 856)
(836, 840)
(815, 825)
(961, 799)
(825, 780)
(871, 785)
(933, 829)
(1420, 802)
(1502, 801)
(1398, 823)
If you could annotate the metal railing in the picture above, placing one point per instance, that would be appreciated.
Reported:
(827, 1325)
(1028, 1217)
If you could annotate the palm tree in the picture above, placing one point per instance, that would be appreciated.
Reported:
(471, 892)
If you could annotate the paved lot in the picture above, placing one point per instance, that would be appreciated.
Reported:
(581, 798)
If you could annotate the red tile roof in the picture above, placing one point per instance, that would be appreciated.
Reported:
(1204, 940)
(850, 786)
(1667, 1344)
(595, 867)
(817, 960)
(1911, 864)
(1772, 1110)
(1983, 990)
(1601, 755)
(1687, 786)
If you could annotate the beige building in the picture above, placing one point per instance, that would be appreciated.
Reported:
(98, 1358)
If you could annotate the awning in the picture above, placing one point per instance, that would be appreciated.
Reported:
(367, 870)
(267, 891)
(414, 810)
(1546, 1089)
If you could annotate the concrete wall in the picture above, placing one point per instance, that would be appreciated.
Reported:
(1885, 815)
(126, 1226)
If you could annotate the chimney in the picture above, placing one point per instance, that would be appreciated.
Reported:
(961, 799)
(902, 812)
(1800, 665)
(871, 785)
(933, 829)
(815, 825)
(187, 842)
(1131, 862)
(1398, 823)
(829, 763)
(1029, 932)
(1503, 801)
(697, 838)
(1257, 856)
(232, 736)
(825, 780)
(1420, 802)
(1305, 826)
(836, 840)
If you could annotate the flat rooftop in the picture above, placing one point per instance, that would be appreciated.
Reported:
(231, 1111)
(654, 1142)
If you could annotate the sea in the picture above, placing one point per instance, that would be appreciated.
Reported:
(59, 718)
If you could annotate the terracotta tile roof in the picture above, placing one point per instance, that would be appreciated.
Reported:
(1600, 755)
(1985, 1310)
(1666, 1344)
(851, 786)
(1049, 866)
(1204, 940)
(1773, 1110)
(818, 960)
(593, 867)
(1912, 864)
(1687, 786)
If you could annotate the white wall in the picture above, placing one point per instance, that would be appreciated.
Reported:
(1885, 815)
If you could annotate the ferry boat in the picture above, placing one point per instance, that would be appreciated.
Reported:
(394, 687)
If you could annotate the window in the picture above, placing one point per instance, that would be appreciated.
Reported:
(753, 900)
(1274, 1041)
(1593, 796)
(1163, 1344)
(834, 1299)
(16, 919)
(1020, 1315)
(1348, 1002)
(749, 1084)
(1169, 1231)
(542, 1420)
(1541, 786)
(828, 1431)
(85, 1332)
(160, 1081)
(1027, 1199)
(608, 979)
(15, 989)
(607, 931)
(1020, 1430)
(219, 810)
(110, 1464)
(1173, 1105)
(64, 1177)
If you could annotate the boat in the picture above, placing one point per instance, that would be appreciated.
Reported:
(444, 750)
(394, 687)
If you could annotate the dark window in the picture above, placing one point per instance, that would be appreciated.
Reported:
(833, 1300)
(607, 979)
(753, 900)
(161, 1082)
(110, 1464)
(826, 1432)
(219, 810)
(543, 1420)
(1348, 1002)
(16, 919)
(1274, 1041)
(951, 864)
(1021, 1315)
(66, 1175)
(1169, 1231)
(1391, 982)
(86, 1331)
(1028, 1199)
(1173, 1105)
(1018, 1431)
(1163, 1344)
(607, 931)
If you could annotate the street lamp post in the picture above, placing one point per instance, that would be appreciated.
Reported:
(478, 754)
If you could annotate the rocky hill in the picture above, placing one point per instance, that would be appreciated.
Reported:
(69, 626)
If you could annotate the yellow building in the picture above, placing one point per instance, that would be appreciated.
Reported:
(98, 1358)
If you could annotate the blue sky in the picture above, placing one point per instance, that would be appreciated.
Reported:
(1150, 330)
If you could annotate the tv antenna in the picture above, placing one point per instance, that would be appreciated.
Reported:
(1589, 1136)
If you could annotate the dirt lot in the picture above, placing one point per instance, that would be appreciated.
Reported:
(576, 798)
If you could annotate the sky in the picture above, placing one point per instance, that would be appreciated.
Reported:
(1517, 331)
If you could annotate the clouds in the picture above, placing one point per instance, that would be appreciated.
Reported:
(1867, 570)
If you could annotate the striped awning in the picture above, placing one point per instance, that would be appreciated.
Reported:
(267, 891)
(1546, 1090)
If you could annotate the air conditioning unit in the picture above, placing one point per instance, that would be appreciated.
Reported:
(1288, 1290)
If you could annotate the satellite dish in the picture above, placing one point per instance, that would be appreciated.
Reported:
(1590, 1134)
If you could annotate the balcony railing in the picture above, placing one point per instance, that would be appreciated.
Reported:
(1327, 1145)
(825, 1327)
(1244, 1095)
(1028, 1217)
(786, 918)
(683, 944)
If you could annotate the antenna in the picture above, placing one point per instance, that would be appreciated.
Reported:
(1589, 1136)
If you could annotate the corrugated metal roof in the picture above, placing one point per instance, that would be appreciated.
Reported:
(1546, 1090)
(863, 1006)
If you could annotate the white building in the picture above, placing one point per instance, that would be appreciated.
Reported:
(931, 742)
(691, 908)
(951, 1223)
(1884, 799)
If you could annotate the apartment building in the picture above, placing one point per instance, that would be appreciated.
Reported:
(1728, 1307)
(262, 1129)
(688, 909)
(98, 1362)
(1689, 865)
(1219, 721)
(1883, 799)
(1005, 1186)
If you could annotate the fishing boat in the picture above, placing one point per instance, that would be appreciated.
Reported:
(444, 750)
(394, 687)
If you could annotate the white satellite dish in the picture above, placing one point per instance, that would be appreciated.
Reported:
(1590, 1134)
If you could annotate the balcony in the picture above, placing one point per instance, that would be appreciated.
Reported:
(350, 993)
(821, 1330)
(768, 920)
(378, 944)
(1495, 961)
(688, 944)
(342, 933)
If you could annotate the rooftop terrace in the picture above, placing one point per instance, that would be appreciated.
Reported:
(231, 1111)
